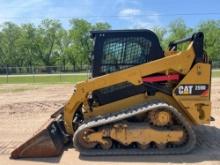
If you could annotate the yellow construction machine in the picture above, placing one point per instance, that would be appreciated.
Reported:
(139, 100)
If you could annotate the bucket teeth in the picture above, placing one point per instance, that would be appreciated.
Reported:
(48, 142)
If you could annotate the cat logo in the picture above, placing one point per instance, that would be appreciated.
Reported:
(185, 90)
(192, 89)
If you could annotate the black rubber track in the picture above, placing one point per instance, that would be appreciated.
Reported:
(127, 113)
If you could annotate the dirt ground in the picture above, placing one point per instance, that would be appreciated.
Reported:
(24, 108)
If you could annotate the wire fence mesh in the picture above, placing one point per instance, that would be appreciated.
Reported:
(216, 64)
(42, 70)
(49, 74)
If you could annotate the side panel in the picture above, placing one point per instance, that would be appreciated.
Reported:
(116, 105)
(193, 93)
(131, 101)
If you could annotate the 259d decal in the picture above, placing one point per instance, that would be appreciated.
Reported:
(192, 89)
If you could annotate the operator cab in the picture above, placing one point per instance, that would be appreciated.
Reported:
(119, 49)
(116, 50)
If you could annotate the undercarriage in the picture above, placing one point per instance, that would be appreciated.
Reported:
(153, 128)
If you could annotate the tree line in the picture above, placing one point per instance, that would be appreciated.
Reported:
(178, 30)
(49, 44)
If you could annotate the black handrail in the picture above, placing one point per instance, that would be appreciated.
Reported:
(197, 39)
(173, 44)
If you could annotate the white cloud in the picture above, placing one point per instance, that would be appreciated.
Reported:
(129, 12)
(138, 19)
(149, 20)
(16, 10)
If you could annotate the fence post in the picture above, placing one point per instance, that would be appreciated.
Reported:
(7, 74)
(60, 74)
(32, 68)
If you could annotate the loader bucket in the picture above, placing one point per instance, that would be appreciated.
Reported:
(47, 142)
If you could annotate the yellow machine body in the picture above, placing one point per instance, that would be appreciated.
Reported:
(166, 124)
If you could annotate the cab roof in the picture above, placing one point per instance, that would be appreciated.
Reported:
(143, 32)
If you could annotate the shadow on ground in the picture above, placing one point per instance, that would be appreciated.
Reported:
(207, 149)
(45, 160)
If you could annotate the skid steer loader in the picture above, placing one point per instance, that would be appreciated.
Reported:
(140, 99)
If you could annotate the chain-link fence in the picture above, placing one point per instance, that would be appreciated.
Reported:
(40, 74)
(42, 70)
(216, 64)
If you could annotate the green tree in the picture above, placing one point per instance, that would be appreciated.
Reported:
(81, 46)
(27, 45)
(177, 29)
(161, 32)
(101, 26)
(47, 36)
(80, 36)
(62, 48)
(211, 30)
(9, 38)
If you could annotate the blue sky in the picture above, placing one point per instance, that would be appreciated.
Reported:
(119, 13)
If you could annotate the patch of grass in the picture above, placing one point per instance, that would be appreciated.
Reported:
(43, 79)
(216, 73)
